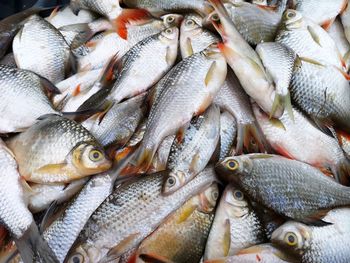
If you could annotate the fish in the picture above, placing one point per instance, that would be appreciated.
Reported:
(24, 99)
(291, 188)
(320, 12)
(117, 125)
(46, 54)
(314, 244)
(301, 140)
(191, 153)
(193, 37)
(308, 39)
(321, 91)
(57, 150)
(228, 133)
(186, 91)
(107, 8)
(130, 214)
(232, 98)
(279, 62)
(131, 75)
(182, 237)
(236, 226)
(40, 196)
(255, 23)
(244, 61)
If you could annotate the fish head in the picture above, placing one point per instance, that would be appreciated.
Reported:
(235, 201)
(233, 167)
(208, 199)
(78, 255)
(170, 36)
(190, 26)
(293, 236)
(173, 182)
(89, 158)
(292, 19)
(171, 20)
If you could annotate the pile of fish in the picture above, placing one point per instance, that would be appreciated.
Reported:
(175, 131)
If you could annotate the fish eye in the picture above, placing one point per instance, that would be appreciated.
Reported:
(291, 239)
(215, 195)
(95, 155)
(291, 14)
(232, 165)
(189, 22)
(77, 258)
(168, 31)
(238, 195)
(170, 19)
(171, 181)
(215, 17)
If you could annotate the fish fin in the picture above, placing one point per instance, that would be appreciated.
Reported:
(51, 168)
(314, 35)
(119, 249)
(279, 149)
(108, 75)
(188, 47)
(133, 258)
(227, 238)
(77, 90)
(342, 172)
(194, 162)
(219, 7)
(50, 211)
(26, 186)
(316, 219)
(186, 213)
(33, 247)
(225, 49)
(91, 44)
(53, 13)
(346, 75)
(49, 86)
(210, 74)
(126, 17)
(328, 23)
(312, 61)
(260, 156)
(203, 107)
(324, 125)
(154, 258)
(249, 134)
(100, 115)
(143, 157)
(168, 56)
(277, 123)
(282, 101)
(181, 133)
(46, 116)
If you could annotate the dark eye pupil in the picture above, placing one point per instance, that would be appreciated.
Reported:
(291, 239)
(171, 181)
(231, 164)
(290, 15)
(238, 194)
(76, 260)
(96, 155)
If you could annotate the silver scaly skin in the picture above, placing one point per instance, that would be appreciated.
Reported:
(108, 8)
(228, 133)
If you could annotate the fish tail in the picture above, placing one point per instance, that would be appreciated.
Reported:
(33, 247)
(342, 171)
(282, 101)
(143, 157)
(250, 138)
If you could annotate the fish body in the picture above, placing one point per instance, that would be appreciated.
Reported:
(65, 17)
(228, 133)
(310, 244)
(236, 226)
(57, 150)
(190, 154)
(23, 99)
(130, 214)
(182, 237)
(290, 188)
(41, 48)
(108, 8)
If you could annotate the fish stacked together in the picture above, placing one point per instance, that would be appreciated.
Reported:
(176, 131)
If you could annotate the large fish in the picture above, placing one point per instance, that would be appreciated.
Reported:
(57, 150)
(130, 214)
(290, 188)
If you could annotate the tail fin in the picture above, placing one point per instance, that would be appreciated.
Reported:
(250, 138)
(33, 247)
(342, 172)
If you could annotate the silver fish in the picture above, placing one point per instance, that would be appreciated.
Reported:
(228, 133)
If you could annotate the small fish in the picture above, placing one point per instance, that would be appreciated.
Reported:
(290, 188)
(41, 48)
(321, 12)
(23, 98)
(130, 214)
(278, 61)
(236, 226)
(191, 152)
(193, 37)
(232, 98)
(57, 150)
(182, 237)
(311, 244)
(228, 133)
(108, 8)
(244, 61)
(186, 91)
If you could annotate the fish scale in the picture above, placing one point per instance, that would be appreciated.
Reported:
(228, 132)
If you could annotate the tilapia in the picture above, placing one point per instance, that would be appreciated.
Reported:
(236, 226)
(244, 61)
(186, 91)
(57, 149)
(323, 93)
(278, 61)
(307, 39)
(41, 48)
(311, 244)
(322, 12)
(193, 37)
(108, 8)
(228, 132)
(191, 153)
(182, 237)
(290, 188)
(232, 98)
(130, 214)
(23, 99)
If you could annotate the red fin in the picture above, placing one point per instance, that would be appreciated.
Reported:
(283, 152)
(132, 258)
(326, 25)
(77, 90)
(346, 75)
(129, 15)
(91, 44)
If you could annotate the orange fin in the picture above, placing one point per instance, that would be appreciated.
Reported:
(326, 25)
(186, 213)
(91, 44)
(153, 258)
(77, 90)
(53, 13)
(283, 152)
(126, 17)
(250, 138)
(266, 7)
(194, 162)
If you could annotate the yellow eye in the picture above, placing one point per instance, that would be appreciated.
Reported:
(215, 195)
(189, 22)
(232, 165)
(77, 258)
(169, 31)
(95, 155)
(291, 14)
(290, 239)
(170, 19)
(238, 195)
